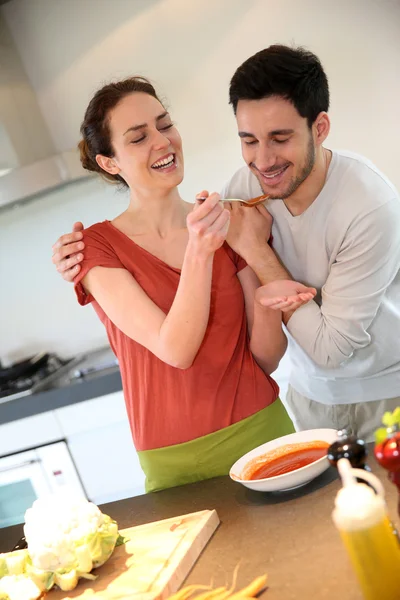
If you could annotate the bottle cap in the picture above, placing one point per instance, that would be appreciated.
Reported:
(358, 506)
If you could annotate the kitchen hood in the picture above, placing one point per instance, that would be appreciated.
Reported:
(30, 162)
(24, 183)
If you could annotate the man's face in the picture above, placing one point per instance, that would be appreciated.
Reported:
(277, 144)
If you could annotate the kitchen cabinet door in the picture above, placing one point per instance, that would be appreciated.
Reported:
(29, 433)
(100, 441)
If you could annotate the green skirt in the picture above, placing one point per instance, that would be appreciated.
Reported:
(213, 455)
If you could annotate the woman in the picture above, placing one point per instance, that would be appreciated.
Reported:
(174, 298)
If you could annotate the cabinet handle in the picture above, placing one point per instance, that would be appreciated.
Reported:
(21, 465)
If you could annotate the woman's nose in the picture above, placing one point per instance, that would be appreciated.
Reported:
(161, 140)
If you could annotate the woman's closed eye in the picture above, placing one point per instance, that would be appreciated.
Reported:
(165, 127)
(143, 137)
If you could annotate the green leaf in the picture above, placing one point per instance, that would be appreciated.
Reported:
(50, 581)
(392, 419)
(387, 419)
(3, 567)
(380, 435)
(89, 576)
(396, 415)
(121, 539)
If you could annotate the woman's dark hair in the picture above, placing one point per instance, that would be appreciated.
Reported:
(292, 73)
(95, 128)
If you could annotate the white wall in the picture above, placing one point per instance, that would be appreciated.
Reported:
(38, 310)
(190, 49)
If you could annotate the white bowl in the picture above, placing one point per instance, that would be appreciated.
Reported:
(290, 480)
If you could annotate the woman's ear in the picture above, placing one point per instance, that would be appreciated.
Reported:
(107, 164)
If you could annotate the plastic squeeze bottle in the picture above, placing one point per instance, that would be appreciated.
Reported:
(360, 514)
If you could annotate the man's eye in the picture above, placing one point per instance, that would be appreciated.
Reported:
(281, 141)
(250, 143)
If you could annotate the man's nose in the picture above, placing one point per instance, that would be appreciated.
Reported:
(265, 159)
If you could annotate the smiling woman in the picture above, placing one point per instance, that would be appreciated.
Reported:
(108, 158)
(195, 347)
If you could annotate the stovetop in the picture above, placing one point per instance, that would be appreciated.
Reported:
(50, 368)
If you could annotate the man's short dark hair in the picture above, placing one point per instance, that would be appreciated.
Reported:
(292, 73)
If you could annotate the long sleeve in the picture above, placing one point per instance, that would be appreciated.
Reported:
(365, 266)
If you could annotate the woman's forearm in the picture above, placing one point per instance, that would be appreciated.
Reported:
(267, 342)
(184, 327)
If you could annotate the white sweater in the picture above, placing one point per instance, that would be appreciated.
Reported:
(345, 345)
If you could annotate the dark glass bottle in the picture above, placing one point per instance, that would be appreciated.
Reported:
(351, 447)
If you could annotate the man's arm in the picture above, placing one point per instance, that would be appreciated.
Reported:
(249, 233)
(68, 253)
(279, 289)
(365, 266)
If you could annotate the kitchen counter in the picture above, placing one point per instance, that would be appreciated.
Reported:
(288, 535)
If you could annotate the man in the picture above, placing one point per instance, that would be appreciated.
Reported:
(336, 227)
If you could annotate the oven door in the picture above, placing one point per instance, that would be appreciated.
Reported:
(29, 475)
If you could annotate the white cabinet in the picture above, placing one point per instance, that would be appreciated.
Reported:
(100, 441)
(29, 433)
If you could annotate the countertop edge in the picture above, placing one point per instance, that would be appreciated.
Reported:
(59, 397)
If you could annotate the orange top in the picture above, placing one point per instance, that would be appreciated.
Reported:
(165, 405)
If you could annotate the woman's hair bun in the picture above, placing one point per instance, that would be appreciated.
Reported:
(87, 162)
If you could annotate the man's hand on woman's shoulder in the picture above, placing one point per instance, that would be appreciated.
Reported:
(68, 253)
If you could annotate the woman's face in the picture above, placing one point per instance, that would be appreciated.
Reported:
(147, 146)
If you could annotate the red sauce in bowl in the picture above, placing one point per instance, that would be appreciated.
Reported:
(284, 459)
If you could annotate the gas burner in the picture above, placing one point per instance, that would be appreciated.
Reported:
(31, 375)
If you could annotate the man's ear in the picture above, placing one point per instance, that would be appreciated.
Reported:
(321, 127)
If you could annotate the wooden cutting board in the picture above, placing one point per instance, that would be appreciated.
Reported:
(152, 564)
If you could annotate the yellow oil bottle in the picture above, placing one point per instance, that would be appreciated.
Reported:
(360, 515)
